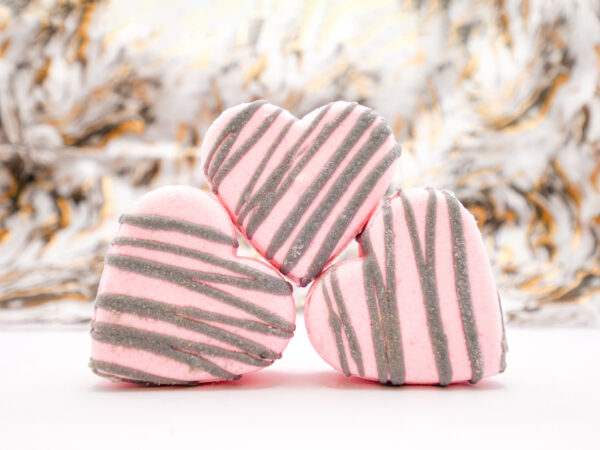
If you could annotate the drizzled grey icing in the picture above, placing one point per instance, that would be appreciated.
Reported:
(386, 334)
(392, 328)
(347, 324)
(381, 278)
(336, 327)
(273, 180)
(369, 267)
(188, 279)
(151, 222)
(264, 208)
(504, 344)
(235, 158)
(316, 220)
(229, 132)
(261, 167)
(122, 373)
(141, 327)
(255, 204)
(426, 268)
(463, 288)
(187, 352)
(177, 316)
(359, 128)
(256, 281)
(344, 219)
(111, 302)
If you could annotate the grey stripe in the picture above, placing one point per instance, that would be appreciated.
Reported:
(369, 266)
(392, 363)
(192, 313)
(504, 343)
(266, 205)
(426, 269)
(392, 324)
(258, 280)
(229, 132)
(336, 328)
(270, 185)
(347, 323)
(318, 217)
(261, 167)
(176, 349)
(177, 316)
(122, 373)
(182, 278)
(344, 219)
(156, 343)
(151, 222)
(463, 287)
(244, 148)
(307, 198)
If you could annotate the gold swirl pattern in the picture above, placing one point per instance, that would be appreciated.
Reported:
(496, 100)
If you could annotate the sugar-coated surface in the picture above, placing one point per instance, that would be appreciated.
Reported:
(176, 305)
(300, 190)
(439, 322)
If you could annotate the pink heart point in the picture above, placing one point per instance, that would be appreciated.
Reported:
(299, 189)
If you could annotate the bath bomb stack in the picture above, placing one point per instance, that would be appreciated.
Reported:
(420, 304)
(176, 305)
(299, 189)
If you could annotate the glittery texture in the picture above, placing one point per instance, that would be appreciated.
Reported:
(187, 278)
(390, 304)
(336, 328)
(347, 323)
(253, 280)
(309, 195)
(426, 308)
(318, 185)
(177, 316)
(168, 224)
(375, 321)
(426, 267)
(177, 305)
(349, 212)
(122, 373)
(325, 208)
(384, 321)
(464, 290)
(227, 138)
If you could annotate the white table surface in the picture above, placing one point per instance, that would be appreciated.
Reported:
(548, 398)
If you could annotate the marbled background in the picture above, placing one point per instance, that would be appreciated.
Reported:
(496, 100)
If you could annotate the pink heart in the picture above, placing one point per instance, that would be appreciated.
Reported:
(176, 305)
(299, 190)
(419, 306)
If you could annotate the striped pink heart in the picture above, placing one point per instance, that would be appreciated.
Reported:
(419, 306)
(299, 189)
(176, 305)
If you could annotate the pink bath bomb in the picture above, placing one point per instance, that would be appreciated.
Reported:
(299, 189)
(176, 305)
(419, 306)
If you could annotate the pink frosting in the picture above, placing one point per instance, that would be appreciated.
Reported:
(197, 208)
(418, 351)
(232, 187)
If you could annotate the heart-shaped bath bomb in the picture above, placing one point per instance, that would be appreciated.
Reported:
(176, 305)
(299, 189)
(420, 304)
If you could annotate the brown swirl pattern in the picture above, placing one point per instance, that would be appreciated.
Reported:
(497, 101)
